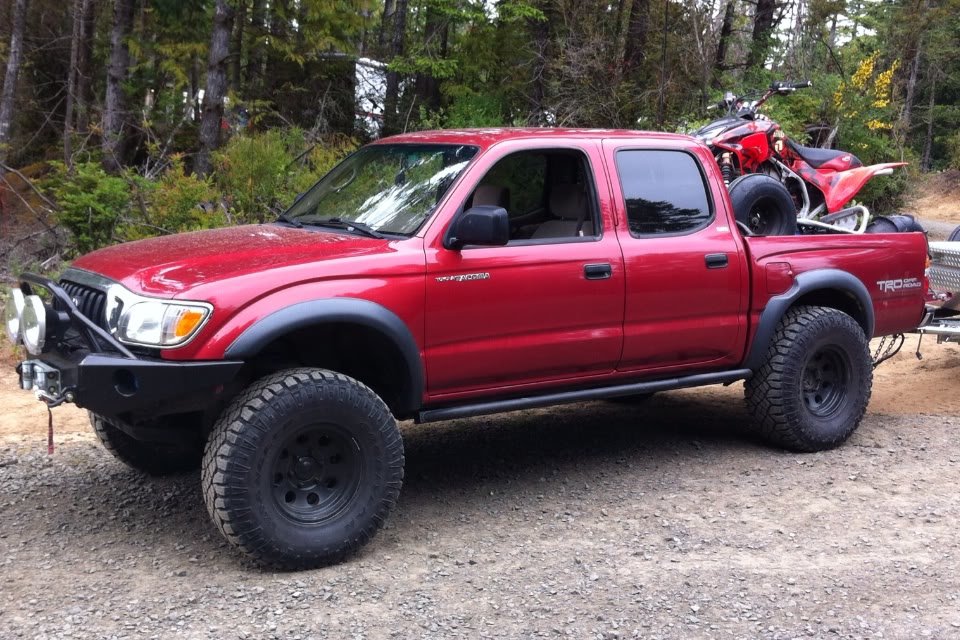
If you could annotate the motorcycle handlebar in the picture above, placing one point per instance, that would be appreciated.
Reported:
(776, 86)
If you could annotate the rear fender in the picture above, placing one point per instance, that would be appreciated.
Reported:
(845, 185)
(828, 281)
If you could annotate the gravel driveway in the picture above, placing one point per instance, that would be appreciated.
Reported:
(594, 520)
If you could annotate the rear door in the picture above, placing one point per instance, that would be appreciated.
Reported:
(686, 275)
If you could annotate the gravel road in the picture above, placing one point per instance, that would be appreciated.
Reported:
(594, 520)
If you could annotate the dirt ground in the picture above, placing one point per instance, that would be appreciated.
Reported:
(594, 520)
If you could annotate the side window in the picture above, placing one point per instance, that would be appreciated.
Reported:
(664, 192)
(548, 194)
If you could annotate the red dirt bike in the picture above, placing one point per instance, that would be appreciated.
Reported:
(820, 182)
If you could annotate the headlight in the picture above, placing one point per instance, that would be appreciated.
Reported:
(12, 314)
(33, 324)
(160, 324)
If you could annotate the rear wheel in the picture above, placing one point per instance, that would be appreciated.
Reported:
(954, 235)
(303, 468)
(154, 458)
(764, 205)
(813, 389)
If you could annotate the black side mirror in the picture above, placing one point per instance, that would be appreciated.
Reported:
(485, 225)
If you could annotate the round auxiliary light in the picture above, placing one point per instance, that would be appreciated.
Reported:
(33, 324)
(12, 314)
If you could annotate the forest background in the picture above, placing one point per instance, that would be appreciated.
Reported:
(125, 119)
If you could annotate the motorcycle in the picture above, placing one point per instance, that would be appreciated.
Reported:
(821, 182)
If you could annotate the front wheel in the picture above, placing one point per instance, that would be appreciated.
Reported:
(303, 468)
(813, 389)
(763, 205)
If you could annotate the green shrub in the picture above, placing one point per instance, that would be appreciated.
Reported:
(92, 202)
(174, 203)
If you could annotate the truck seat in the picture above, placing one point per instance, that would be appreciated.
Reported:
(570, 209)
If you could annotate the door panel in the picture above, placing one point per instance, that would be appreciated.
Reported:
(686, 275)
(522, 314)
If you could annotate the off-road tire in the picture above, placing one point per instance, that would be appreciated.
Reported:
(156, 459)
(764, 205)
(302, 468)
(814, 386)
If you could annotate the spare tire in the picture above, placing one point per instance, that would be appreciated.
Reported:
(764, 205)
(894, 223)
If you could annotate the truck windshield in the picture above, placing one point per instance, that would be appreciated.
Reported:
(389, 188)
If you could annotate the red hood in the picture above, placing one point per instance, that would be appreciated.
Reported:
(169, 265)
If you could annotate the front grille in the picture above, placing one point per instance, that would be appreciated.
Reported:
(91, 302)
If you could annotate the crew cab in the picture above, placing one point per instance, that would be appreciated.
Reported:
(445, 274)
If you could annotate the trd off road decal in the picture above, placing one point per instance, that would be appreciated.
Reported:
(892, 286)
(463, 277)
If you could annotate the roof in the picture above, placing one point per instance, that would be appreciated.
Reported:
(485, 138)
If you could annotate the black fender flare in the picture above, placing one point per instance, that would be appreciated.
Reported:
(805, 283)
(338, 310)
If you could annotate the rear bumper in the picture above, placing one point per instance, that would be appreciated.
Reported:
(126, 387)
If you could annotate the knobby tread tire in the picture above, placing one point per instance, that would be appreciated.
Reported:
(156, 459)
(774, 392)
(233, 450)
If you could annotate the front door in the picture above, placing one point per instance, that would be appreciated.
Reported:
(547, 306)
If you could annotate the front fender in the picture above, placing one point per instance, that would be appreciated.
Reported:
(336, 310)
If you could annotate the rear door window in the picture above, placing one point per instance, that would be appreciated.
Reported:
(664, 192)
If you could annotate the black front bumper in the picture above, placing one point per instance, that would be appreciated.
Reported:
(105, 377)
(119, 387)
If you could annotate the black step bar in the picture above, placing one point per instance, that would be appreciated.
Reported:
(580, 395)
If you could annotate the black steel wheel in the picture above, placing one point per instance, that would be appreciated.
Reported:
(303, 468)
(813, 388)
(316, 473)
(763, 205)
(826, 376)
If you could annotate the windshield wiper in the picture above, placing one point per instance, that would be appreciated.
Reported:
(291, 221)
(349, 226)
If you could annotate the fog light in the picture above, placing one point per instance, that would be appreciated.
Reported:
(12, 314)
(33, 324)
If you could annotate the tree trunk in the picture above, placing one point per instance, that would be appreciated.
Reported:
(80, 8)
(14, 56)
(435, 35)
(637, 29)
(236, 62)
(723, 42)
(398, 32)
(926, 162)
(907, 117)
(763, 21)
(216, 85)
(114, 109)
(84, 97)
(257, 57)
(540, 31)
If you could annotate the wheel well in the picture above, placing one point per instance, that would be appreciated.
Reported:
(840, 300)
(360, 352)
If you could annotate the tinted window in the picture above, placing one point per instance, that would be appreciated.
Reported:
(663, 190)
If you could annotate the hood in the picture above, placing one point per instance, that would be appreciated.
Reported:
(169, 265)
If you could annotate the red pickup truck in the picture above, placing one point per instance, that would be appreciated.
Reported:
(446, 274)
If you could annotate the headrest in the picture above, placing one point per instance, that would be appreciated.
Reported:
(567, 201)
(491, 194)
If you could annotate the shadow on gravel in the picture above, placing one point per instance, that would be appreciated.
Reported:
(452, 456)
(165, 518)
